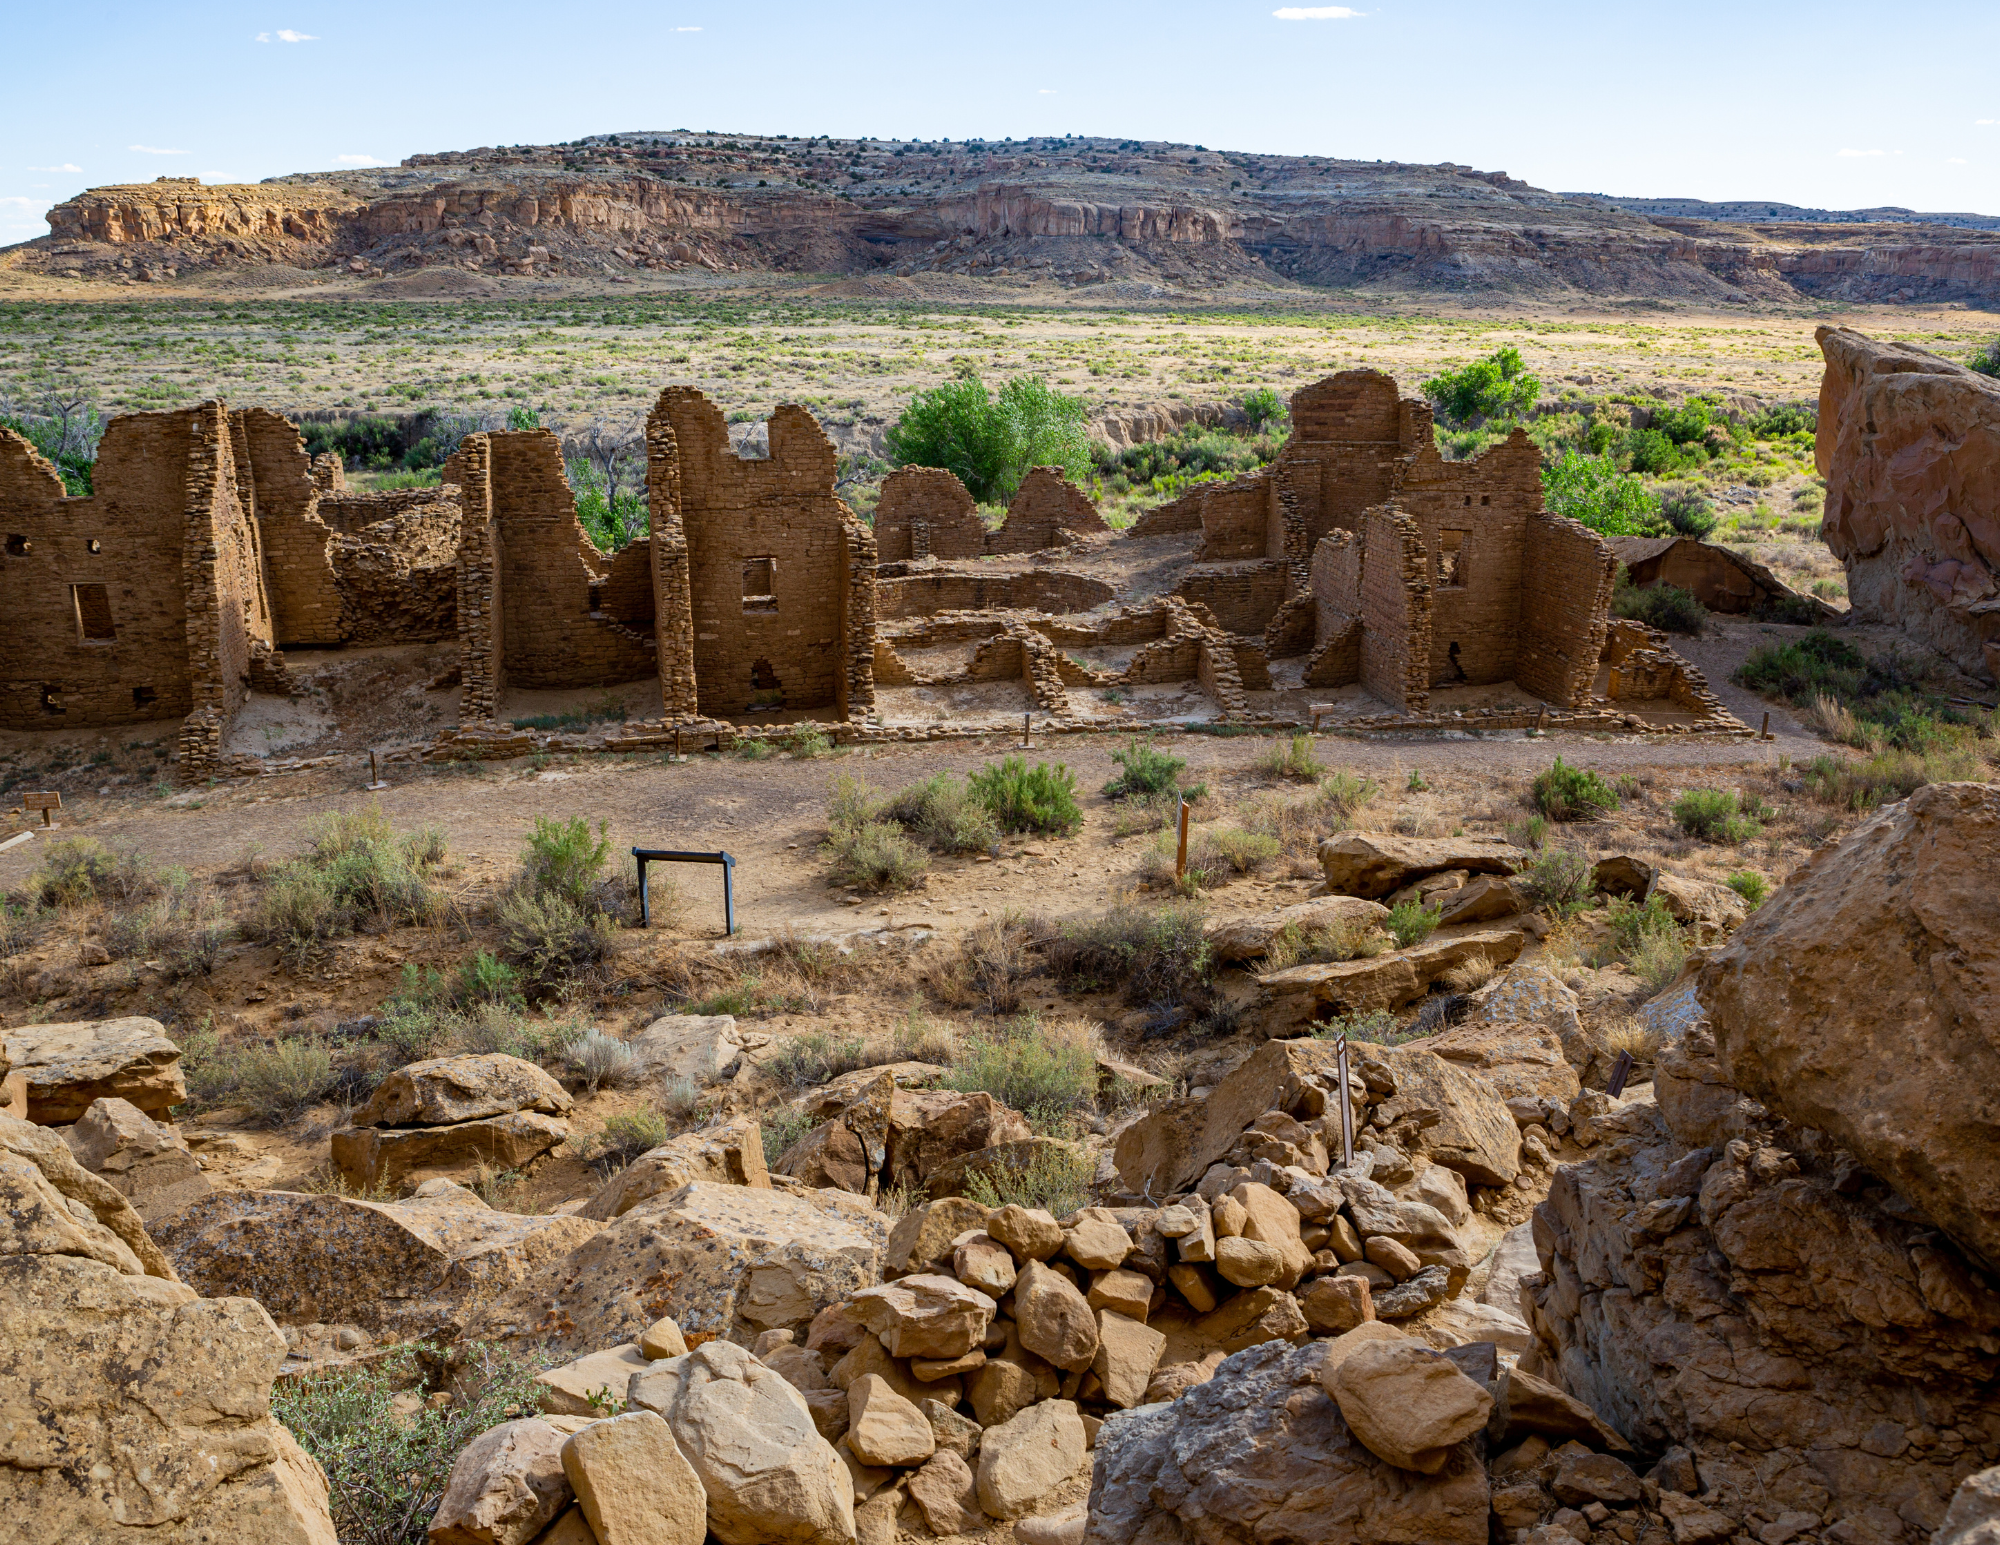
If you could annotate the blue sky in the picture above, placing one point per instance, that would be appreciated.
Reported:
(1840, 105)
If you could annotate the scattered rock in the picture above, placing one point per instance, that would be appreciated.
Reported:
(72, 1064)
(443, 1091)
(1032, 1235)
(1247, 938)
(925, 1237)
(1261, 1314)
(148, 1163)
(883, 1428)
(947, 1494)
(1374, 864)
(1097, 1241)
(1055, 1320)
(633, 1484)
(729, 1154)
(1516, 1058)
(924, 1316)
(702, 1048)
(371, 1157)
(1335, 1304)
(1021, 1461)
(930, 1128)
(593, 1385)
(1128, 1350)
(1406, 1403)
(1974, 1516)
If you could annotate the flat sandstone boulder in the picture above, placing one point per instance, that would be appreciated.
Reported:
(69, 1065)
(368, 1157)
(444, 1090)
(1373, 864)
(1246, 938)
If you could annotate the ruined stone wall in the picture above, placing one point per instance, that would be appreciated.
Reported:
(398, 579)
(1395, 595)
(1042, 590)
(1236, 519)
(1564, 605)
(783, 613)
(1177, 517)
(228, 615)
(1243, 596)
(299, 576)
(95, 622)
(1474, 517)
(352, 512)
(925, 512)
(1048, 511)
(482, 663)
(667, 550)
(554, 631)
(1347, 452)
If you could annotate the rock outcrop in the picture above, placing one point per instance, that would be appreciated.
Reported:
(1863, 1004)
(72, 1064)
(1909, 445)
(147, 1161)
(452, 1113)
(137, 1409)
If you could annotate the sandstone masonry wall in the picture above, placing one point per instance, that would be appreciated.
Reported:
(1395, 595)
(1048, 511)
(481, 581)
(1041, 590)
(1243, 596)
(925, 512)
(1563, 610)
(298, 550)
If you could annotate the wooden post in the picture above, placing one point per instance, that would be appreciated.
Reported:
(679, 754)
(374, 773)
(1540, 715)
(1026, 744)
(1620, 1071)
(1180, 856)
(44, 800)
(1346, 1105)
(1765, 732)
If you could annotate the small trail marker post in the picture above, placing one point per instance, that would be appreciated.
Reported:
(1620, 1071)
(44, 800)
(1180, 854)
(374, 775)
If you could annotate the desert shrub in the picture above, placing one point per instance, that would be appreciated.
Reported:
(277, 1083)
(781, 1127)
(1529, 832)
(1559, 880)
(563, 858)
(1378, 1026)
(1471, 974)
(81, 870)
(1217, 851)
(1498, 387)
(1147, 813)
(502, 1027)
(552, 939)
(806, 744)
(850, 802)
(680, 1098)
(604, 1061)
(1410, 921)
(1144, 770)
(1565, 793)
(1263, 407)
(1987, 360)
(996, 960)
(753, 748)
(1344, 794)
(1658, 957)
(990, 442)
(1294, 945)
(1888, 775)
(817, 1057)
(1047, 1072)
(355, 873)
(1157, 955)
(1715, 815)
(1829, 589)
(1591, 490)
(1290, 758)
(1631, 921)
(1021, 798)
(1687, 512)
(183, 926)
(1751, 886)
(1666, 607)
(386, 1468)
(920, 1038)
(874, 856)
(625, 1136)
(944, 814)
(1058, 1180)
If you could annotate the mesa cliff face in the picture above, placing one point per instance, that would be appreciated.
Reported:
(1079, 211)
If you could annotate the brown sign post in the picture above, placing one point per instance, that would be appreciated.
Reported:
(44, 800)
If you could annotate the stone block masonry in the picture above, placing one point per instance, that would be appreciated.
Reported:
(925, 512)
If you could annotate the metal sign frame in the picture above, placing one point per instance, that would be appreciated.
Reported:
(645, 856)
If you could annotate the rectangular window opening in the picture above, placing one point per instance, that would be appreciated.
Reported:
(760, 584)
(93, 614)
(144, 697)
(18, 546)
(594, 602)
(1451, 559)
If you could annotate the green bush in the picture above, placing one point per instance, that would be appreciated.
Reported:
(1591, 490)
(780, 1127)
(1715, 815)
(1057, 1180)
(551, 939)
(1497, 387)
(1559, 880)
(563, 859)
(1022, 1064)
(81, 870)
(874, 856)
(625, 1136)
(817, 1057)
(1156, 955)
(1410, 921)
(1291, 757)
(944, 814)
(1751, 886)
(991, 442)
(1264, 408)
(1145, 770)
(1377, 1026)
(1987, 360)
(386, 1468)
(1666, 607)
(355, 873)
(277, 1083)
(1021, 798)
(1218, 850)
(1687, 513)
(1566, 793)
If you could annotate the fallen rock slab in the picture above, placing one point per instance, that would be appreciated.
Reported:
(729, 1154)
(1372, 864)
(633, 1483)
(148, 1163)
(441, 1091)
(1021, 1461)
(1247, 938)
(929, 1128)
(72, 1064)
(1406, 1403)
(1293, 1000)
(371, 1157)
(1516, 1057)
(702, 1048)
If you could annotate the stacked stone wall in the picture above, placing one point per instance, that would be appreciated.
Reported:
(1040, 590)
(925, 512)
(306, 604)
(482, 663)
(667, 550)
(354, 512)
(1236, 520)
(398, 579)
(1048, 511)
(222, 579)
(1244, 597)
(1395, 596)
(127, 538)
(1563, 610)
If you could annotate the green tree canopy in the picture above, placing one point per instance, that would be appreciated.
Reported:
(1590, 489)
(1497, 387)
(990, 442)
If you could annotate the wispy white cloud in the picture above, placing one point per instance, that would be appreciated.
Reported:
(65, 167)
(155, 150)
(1316, 13)
(1985, 123)
(25, 203)
(286, 35)
(1853, 153)
(360, 161)
(1045, 91)
(687, 29)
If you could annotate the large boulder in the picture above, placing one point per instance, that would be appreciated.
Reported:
(147, 1161)
(70, 1065)
(702, 1048)
(770, 1478)
(1025, 1458)
(848, 1150)
(372, 1157)
(1373, 864)
(1407, 1404)
(923, 1315)
(729, 1154)
(506, 1486)
(1518, 1059)
(721, 1260)
(1260, 1453)
(394, 1269)
(138, 1409)
(1860, 1000)
(443, 1090)
(929, 1128)
(1294, 999)
(1246, 938)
